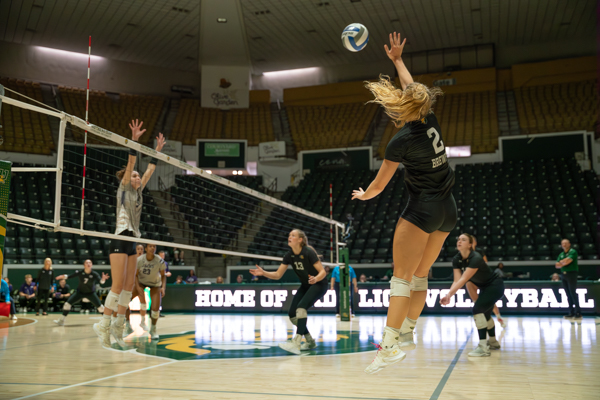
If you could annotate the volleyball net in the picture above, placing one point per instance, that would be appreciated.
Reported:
(184, 207)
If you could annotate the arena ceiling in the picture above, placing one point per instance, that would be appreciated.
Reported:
(285, 34)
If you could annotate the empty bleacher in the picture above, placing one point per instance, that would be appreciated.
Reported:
(559, 107)
(195, 122)
(23, 130)
(113, 112)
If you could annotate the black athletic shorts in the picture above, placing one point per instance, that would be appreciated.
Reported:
(123, 246)
(431, 216)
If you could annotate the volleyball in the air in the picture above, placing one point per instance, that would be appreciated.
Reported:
(355, 37)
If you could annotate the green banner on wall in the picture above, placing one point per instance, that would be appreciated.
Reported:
(5, 167)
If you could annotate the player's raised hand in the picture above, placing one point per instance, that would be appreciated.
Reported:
(358, 194)
(258, 271)
(160, 142)
(136, 129)
(105, 276)
(394, 52)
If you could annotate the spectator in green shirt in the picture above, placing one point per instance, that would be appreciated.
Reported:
(567, 263)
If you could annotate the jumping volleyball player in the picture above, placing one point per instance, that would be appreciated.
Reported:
(123, 256)
(430, 214)
(150, 274)
(85, 290)
(307, 266)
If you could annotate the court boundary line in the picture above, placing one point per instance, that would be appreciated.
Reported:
(440, 387)
(194, 390)
(94, 380)
(35, 321)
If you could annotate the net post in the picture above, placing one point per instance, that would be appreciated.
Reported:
(330, 225)
(344, 285)
(5, 167)
(60, 155)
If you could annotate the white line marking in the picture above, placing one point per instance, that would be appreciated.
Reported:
(35, 321)
(95, 380)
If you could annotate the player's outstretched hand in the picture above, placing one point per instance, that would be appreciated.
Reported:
(258, 271)
(160, 142)
(105, 276)
(445, 300)
(394, 52)
(136, 129)
(358, 194)
(312, 279)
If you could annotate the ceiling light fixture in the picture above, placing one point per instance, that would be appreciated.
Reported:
(222, 20)
(297, 71)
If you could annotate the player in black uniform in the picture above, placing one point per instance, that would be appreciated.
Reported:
(430, 214)
(307, 266)
(469, 266)
(44, 286)
(85, 290)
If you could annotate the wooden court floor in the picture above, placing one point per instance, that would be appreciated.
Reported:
(236, 357)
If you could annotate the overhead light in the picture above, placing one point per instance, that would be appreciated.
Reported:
(298, 71)
(235, 172)
(208, 171)
(240, 172)
(65, 53)
(222, 20)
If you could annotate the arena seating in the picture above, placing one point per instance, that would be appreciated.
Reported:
(557, 107)
(24, 131)
(465, 119)
(327, 127)
(33, 195)
(518, 210)
(112, 113)
(194, 122)
(214, 213)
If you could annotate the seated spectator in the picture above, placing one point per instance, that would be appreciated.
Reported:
(240, 279)
(192, 278)
(254, 279)
(10, 287)
(61, 295)
(178, 256)
(389, 274)
(327, 269)
(27, 294)
(363, 278)
(555, 277)
(498, 271)
(5, 297)
(162, 255)
(179, 280)
(220, 279)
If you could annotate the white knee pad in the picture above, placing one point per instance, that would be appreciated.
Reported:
(101, 309)
(480, 321)
(154, 314)
(419, 284)
(125, 298)
(301, 313)
(490, 323)
(399, 287)
(294, 321)
(143, 306)
(112, 301)
(67, 307)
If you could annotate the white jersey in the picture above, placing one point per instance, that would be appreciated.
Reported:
(149, 271)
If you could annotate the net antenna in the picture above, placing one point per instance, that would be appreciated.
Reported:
(281, 216)
(87, 107)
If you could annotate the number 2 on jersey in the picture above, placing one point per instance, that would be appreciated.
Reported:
(438, 144)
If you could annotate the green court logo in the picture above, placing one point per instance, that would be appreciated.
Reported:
(189, 346)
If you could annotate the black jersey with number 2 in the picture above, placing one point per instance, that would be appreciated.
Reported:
(420, 148)
(87, 282)
(303, 263)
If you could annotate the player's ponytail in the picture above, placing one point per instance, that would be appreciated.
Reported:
(410, 104)
(304, 238)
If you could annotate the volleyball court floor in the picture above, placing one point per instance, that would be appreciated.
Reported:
(211, 356)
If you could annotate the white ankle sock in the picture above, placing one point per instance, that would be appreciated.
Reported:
(390, 336)
(120, 319)
(408, 325)
(483, 342)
